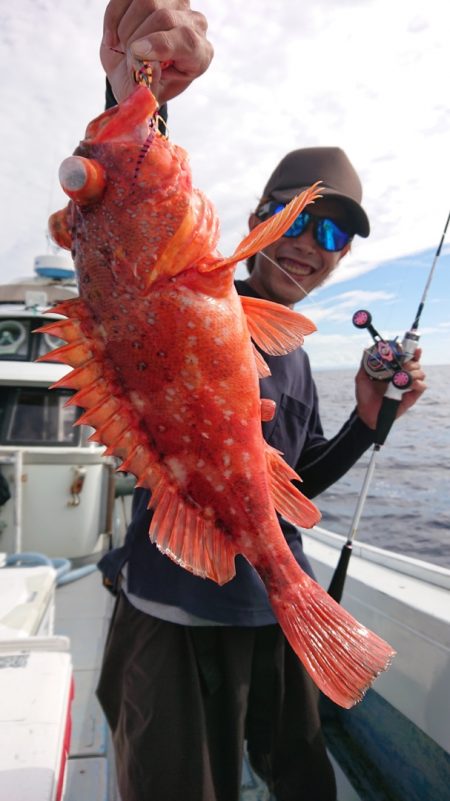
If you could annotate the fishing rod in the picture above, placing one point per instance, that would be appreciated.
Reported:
(383, 361)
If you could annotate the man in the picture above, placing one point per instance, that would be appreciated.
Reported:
(191, 669)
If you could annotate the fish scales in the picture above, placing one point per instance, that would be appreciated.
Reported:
(166, 371)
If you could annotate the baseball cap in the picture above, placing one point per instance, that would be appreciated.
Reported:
(301, 168)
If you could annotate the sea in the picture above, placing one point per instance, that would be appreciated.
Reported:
(408, 504)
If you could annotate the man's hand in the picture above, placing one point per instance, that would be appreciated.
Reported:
(163, 32)
(369, 393)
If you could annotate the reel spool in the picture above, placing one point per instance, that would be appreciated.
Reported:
(384, 360)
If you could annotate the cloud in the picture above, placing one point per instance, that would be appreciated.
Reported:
(326, 73)
(337, 307)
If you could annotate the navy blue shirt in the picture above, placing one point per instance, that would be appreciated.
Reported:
(295, 430)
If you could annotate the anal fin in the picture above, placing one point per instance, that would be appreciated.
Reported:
(183, 532)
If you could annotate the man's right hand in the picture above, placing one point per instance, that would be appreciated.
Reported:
(158, 31)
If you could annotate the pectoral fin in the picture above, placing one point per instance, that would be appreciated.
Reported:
(276, 329)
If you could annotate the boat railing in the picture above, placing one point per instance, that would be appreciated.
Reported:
(408, 565)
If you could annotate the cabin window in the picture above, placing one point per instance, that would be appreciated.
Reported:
(36, 416)
(14, 337)
(19, 343)
(47, 342)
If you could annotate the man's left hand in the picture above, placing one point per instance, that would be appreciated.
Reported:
(369, 393)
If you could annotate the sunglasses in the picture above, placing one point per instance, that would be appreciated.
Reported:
(328, 234)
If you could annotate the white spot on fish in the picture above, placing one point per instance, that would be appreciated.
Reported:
(205, 435)
(185, 438)
(226, 458)
(137, 400)
(220, 487)
(201, 463)
(246, 456)
(177, 468)
(161, 428)
(229, 441)
(190, 324)
(227, 473)
(191, 358)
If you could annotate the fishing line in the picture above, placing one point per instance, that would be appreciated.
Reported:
(272, 261)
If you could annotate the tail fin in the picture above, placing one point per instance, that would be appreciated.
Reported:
(342, 656)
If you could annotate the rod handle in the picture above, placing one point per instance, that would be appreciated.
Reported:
(336, 587)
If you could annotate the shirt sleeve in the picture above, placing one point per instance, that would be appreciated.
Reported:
(324, 461)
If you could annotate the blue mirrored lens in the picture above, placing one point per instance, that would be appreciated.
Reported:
(326, 232)
(329, 236)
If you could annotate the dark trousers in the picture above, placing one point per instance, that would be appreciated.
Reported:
(181, 700)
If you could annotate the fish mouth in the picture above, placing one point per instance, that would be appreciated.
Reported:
(127, 122)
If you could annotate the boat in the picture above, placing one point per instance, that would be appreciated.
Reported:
(68, 505)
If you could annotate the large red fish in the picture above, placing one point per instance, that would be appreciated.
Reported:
(165, 368)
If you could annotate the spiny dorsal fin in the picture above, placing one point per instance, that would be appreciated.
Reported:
(270, 230)
(276, 329)
(287, 499)
(69, 330)
(183, 532)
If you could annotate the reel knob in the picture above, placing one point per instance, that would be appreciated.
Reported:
(401, 379)
(362, 318)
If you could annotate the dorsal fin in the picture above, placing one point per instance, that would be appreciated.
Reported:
(276, 329)
(270, 230)
(287, 499)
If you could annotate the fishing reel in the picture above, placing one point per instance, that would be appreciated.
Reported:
(384, 360)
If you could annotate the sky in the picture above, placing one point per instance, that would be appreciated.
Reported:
(368, 75)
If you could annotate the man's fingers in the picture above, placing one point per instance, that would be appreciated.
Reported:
(188, 50)
(167, 33)
(143, 17)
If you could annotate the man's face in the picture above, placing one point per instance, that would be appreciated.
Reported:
(300, 257)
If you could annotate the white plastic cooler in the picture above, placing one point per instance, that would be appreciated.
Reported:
(36, 690)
